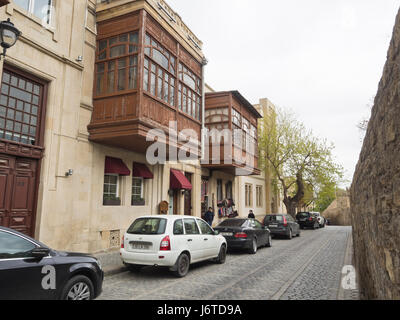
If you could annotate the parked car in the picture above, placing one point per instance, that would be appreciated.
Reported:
(321, 219)
(171, 241)
(307, 220)
(247, 234)
(282, 225)
(29, 270)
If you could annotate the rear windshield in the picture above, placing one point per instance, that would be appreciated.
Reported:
(273, 218)
(232, 223)
(303, 214)
(148, 226)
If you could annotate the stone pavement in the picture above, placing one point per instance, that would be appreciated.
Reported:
(305, 268)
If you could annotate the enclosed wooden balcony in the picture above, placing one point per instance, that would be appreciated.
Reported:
(145, 78)
(232, 143)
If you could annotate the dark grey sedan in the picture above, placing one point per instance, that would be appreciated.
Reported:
(29, 270)
(247, 234)
(282, 225)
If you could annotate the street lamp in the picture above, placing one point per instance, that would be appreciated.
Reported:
(8, 35)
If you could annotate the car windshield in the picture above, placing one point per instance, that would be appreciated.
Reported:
(232, 223)
(303, 214)
(273, 218)
(148, 226)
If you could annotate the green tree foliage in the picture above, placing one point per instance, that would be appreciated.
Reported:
(300, 161)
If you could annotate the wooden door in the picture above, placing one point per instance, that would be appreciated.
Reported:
(18, 191)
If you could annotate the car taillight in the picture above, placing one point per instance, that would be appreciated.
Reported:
(240, 235)
(310, 219)
(284, 222)
(165, 244)
(122, 243)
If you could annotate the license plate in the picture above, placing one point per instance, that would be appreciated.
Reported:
(140, 246)
(227, 234)
(303, 219)
(273, 226)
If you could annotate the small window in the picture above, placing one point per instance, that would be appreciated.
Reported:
(248, 195)
(137, 190)
(39, 8)
(13, 246)
(178, 227)
(191, 226)
(204, 227)
(111, 188)
(259, 196)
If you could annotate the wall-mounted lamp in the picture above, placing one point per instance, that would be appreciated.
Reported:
(69, 173)
(8, 35)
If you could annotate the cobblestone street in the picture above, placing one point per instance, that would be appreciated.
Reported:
(306, 268)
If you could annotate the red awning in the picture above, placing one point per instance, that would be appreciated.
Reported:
(116, 166)
(140, 170)
(178, 181)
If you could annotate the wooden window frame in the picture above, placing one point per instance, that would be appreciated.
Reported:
(131, 52)
(41, 105)
(194, 95)
(165, 94)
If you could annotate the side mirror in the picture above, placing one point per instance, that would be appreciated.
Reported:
(40, 252)
(216, 232)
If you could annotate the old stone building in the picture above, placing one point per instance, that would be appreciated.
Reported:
(82, 88)
(375, 191)
(45, 105)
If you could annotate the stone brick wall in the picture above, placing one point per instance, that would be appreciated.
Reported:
(375, 192)
(338, 212)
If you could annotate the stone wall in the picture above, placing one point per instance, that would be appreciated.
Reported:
(338, 212)
(375, 192)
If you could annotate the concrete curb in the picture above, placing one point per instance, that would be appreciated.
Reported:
(111, 271)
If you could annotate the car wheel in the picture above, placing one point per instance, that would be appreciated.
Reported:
(269, 244)
(254, 247)
(222, 255)
(78, 288)
(182, 265)
(134, 267)
(290, 235)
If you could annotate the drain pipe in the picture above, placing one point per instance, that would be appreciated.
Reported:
(203, 108)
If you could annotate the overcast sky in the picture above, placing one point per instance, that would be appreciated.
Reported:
(322, 59)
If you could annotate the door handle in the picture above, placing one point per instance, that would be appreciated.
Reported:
(206, 239)
(190, 240)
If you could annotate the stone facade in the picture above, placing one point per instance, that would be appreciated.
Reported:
(70, 214)
(338, 212)
(375, 192)
(61, 54)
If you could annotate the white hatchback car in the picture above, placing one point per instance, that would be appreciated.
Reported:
(171, 241)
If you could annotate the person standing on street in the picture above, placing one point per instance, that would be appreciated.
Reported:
(251, 215)
(209, 216)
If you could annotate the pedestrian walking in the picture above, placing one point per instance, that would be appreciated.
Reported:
(209, 216)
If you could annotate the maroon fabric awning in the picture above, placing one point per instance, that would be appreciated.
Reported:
(178, 181)
(140, 170)
(116, 166)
